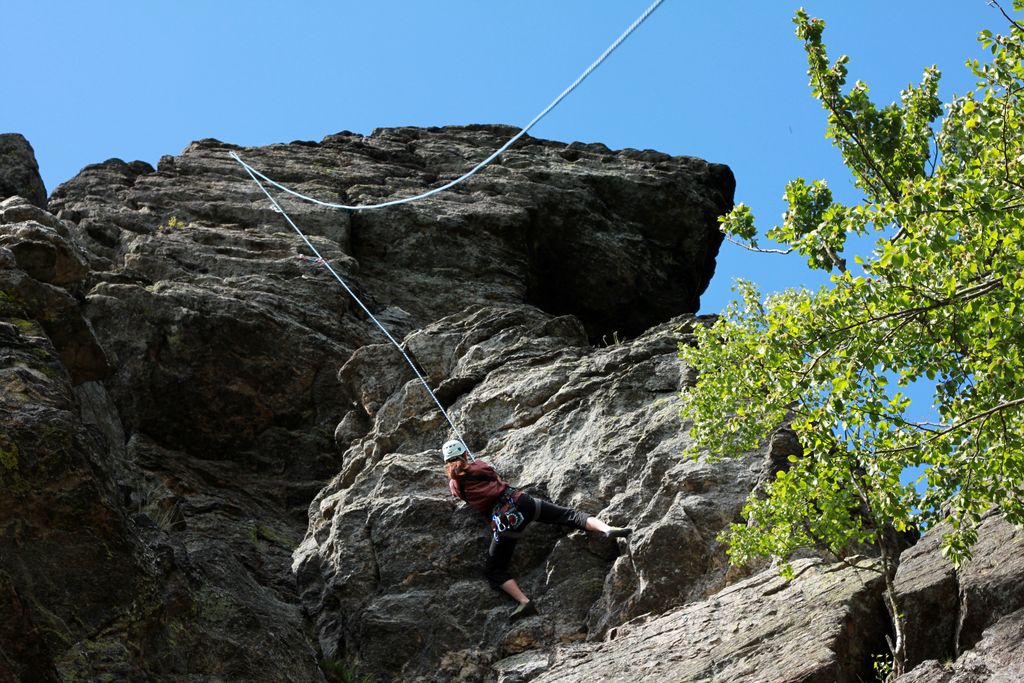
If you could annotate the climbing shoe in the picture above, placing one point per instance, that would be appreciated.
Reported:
(527, 609)
(618, 532)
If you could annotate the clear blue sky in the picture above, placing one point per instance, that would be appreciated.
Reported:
(85, 82)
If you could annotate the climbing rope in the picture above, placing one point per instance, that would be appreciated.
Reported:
(257, 176)
(322, 261)
(554, 103)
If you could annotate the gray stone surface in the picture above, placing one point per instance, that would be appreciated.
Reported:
(947, 610)
(992, 582)
(592, 428)
(69, 569)
(19, 171)
(39, 243)
(623, 240)
(120, 558)
(211, 468)
(998, 657)
(522, 667)
(820, 627)
(927, 588)
(214, 380)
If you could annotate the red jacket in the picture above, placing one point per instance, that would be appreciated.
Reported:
(479, 485)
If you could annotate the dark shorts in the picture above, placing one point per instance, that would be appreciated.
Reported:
(499, 555)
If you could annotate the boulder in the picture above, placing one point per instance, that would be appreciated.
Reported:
(998, 657)
(19, 171)
(947, 609)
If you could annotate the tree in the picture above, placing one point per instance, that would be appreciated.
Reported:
(938, 298)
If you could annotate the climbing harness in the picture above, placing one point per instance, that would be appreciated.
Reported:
(257, 177)
(506, 517)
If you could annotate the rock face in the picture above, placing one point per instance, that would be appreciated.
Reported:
(19, 172)
(56, 517)
(593, 428)
(997, 658)
(762, 629)
(179, 386)
(622, 240)
(212, 467)
(122, 559)
(973, 611)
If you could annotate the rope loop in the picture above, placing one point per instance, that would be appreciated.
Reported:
(473, 171)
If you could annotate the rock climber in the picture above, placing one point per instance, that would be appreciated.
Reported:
(510, 511)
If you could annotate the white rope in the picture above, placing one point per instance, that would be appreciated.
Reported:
(321, 259)
(597, 62)
(257, 175)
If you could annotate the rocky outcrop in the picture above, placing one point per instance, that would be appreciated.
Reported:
(122, 559)
(56, 517)
(972, 610)
(622, 240)
(212, 467)
(595, 428)
(180, 386)
(997, 658)
(822, 626)
(19, 171)
(825, 625)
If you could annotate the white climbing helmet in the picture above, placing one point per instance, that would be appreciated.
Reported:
(453, 449)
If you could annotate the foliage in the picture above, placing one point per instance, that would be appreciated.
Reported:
(173, 224)
(938, 299)
(882, 668)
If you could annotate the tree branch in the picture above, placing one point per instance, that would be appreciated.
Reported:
(963, 296)
(959, 425)
(758, 249)
(833, 108)
(1008, 17)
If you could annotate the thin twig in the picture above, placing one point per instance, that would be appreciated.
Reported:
(836, 112)
(1008, 17)
(963, 296)
(959, 425)
(759, 250)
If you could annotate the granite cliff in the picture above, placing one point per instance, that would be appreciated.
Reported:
(213, 468)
